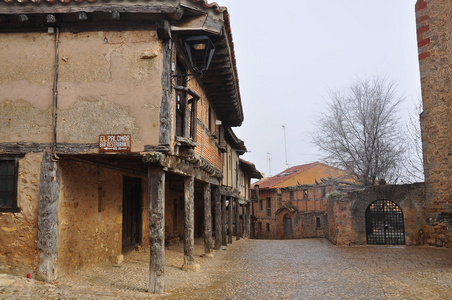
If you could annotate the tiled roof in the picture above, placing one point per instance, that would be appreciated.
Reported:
(270, 182)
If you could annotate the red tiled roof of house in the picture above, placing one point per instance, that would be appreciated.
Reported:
(270, 182)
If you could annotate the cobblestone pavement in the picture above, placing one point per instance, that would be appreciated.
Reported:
(262, 269)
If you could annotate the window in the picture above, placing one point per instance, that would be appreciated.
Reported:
(268, 226)
(8, 184)
(181, 101)
(261, 206)
(291, 196)
(305, 194)
(323, 192)
(269, 207)
(317, 219)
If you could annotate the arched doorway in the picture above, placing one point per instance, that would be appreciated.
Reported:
(288, 228)
(384, 223)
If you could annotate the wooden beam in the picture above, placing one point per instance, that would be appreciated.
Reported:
(237, 219)
(189, 225)
(207, 221)
(156, 189)
(46, 9)
(165, 109)
(48, 233)
(218, 223)
(223, 221)
(230, 219)
(247, 219)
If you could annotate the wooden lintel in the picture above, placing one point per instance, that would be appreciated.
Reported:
(45, 9)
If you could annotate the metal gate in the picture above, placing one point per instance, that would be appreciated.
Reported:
(384, 223)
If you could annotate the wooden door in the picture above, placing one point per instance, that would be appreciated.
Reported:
(131, 213)
(288, 229)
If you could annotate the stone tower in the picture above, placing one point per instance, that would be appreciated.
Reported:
(434, 30)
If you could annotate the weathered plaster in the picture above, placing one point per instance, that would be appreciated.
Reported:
(19, 231)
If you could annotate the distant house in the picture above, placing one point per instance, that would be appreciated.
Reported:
(292, 204)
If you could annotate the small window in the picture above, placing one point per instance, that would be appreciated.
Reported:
(291, 196)
(268, 226)
(305, 194)
(269, 207)
(317, 222)
(8, 184)
(261, 206)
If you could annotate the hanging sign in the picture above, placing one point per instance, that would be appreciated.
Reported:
(115, 143)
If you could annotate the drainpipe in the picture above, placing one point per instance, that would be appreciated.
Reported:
(55, 95)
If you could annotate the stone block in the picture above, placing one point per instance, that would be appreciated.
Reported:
(192, 268)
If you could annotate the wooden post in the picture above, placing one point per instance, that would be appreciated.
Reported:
(49, 194)
(223, 221)
(156, 181)
(247, 220)
(189, 228)
(165, 108)
(237, 219)
(207, 221)
(218, 223)
(230, 220)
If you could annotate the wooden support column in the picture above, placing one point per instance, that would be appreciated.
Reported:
(237, 219)
(156, 182)
(189, 225)
(231, 219)
(207, 221)
(223, 221)
(218, 223)
(247, 219)
(49, 194)
(165, 108)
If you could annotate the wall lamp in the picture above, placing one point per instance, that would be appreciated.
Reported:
(200, 50)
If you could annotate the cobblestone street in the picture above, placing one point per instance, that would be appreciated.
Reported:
(262, 269)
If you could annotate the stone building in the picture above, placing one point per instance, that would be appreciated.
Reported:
(434, 30)
(293, 203)
(113, 128)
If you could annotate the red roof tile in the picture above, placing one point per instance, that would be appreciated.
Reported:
(270, 182)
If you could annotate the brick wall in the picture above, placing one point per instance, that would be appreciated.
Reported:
(434, 30)
(346, 213)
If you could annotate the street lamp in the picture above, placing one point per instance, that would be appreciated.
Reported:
(200, 50)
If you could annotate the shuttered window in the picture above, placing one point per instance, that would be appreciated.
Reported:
(8, 184)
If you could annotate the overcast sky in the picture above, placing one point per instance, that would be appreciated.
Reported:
(292, 53)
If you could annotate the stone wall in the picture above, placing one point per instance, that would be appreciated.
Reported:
(346, 213)
(90, 215)
(19, 231)
(434, 31)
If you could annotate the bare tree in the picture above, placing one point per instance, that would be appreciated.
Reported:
(360, 131)
(413, 166)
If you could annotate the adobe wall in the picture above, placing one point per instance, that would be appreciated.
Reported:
(19, 231)
(434, 30)
(346, 213)
(106, 85)
(90, 215)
